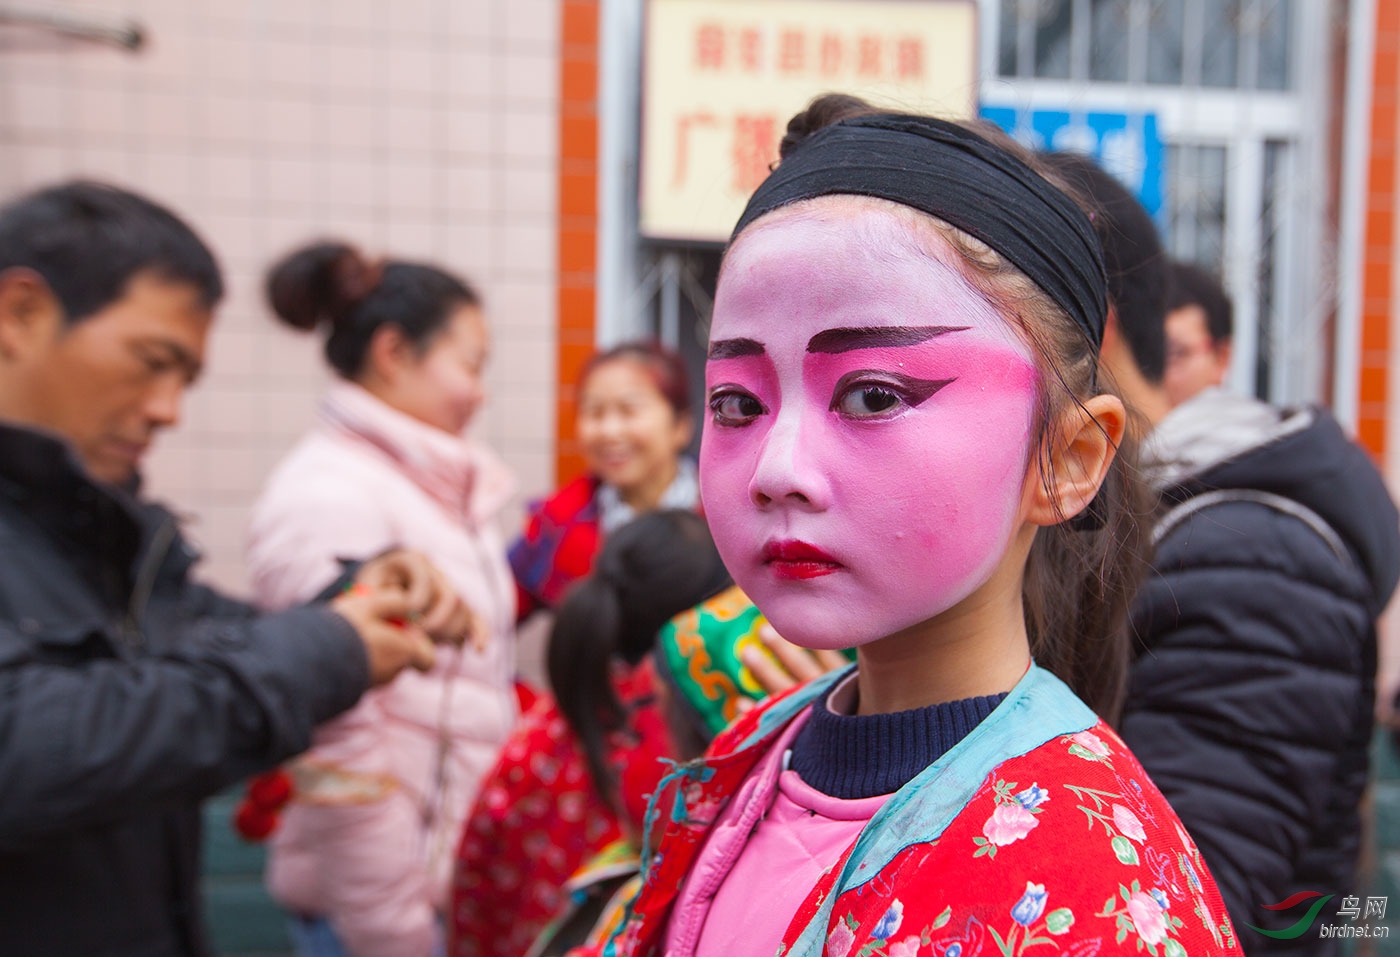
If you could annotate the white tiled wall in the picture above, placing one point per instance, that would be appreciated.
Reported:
(415, 128)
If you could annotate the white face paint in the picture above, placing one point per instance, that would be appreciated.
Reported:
(871, 417)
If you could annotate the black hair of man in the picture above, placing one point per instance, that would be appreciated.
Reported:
(1138, 268)
(88, 240)
(1193, 286)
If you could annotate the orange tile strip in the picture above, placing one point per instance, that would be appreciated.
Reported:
(1379, 251)
(578, 220)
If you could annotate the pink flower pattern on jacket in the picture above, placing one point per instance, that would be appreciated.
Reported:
(1066, 850)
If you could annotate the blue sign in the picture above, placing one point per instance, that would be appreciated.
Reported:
(1125, 144)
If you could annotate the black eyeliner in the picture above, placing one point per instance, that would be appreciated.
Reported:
(913, 391)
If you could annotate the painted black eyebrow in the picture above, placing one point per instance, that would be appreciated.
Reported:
(876, 337)
(735, 348)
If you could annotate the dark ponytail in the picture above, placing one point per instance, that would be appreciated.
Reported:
(647, 572)
(332, 284)
(1079, 585)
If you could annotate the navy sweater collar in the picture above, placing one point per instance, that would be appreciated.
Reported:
(860, 756)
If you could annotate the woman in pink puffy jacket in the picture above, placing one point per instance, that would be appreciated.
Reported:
(363, 854)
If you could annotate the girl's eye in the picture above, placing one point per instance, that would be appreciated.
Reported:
(867, 400)
(858, 396)
(735, 408)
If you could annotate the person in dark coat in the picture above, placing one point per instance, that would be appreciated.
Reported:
(1253, 685)
(128, 693)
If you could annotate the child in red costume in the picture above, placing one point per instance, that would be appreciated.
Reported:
(576, 774)
(909, 451)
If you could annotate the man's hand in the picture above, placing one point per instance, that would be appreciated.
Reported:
(433, 605)
(788, 664)
(392, 641)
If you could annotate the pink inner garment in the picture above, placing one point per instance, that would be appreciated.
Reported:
(764, 855)
(803, 834)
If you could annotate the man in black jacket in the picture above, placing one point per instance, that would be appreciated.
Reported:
(128, 693)
(1253, 685)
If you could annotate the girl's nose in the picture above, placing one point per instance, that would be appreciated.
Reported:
(789, 470)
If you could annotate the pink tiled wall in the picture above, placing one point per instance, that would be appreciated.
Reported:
(419, 128)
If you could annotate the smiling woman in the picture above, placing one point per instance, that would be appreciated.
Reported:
(634, 423)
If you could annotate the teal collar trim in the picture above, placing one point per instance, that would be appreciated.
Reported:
(794, 704)
(1039, 708)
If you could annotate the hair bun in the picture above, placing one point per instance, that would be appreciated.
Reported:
(820, 113)
(320, 283)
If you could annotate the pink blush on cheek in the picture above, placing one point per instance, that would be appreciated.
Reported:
(948, 499)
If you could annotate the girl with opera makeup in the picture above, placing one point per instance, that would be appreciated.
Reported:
(909, 451)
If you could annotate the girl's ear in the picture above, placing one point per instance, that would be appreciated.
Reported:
(389, 353)
(1072, 469)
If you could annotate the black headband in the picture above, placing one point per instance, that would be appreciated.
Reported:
(954, 174)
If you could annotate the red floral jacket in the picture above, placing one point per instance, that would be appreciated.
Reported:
(1038, 834)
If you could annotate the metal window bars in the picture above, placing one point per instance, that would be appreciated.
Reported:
(1233, 44)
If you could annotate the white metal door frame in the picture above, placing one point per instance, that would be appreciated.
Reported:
(1243, 121)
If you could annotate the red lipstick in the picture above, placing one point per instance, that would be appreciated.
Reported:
(798, 560)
